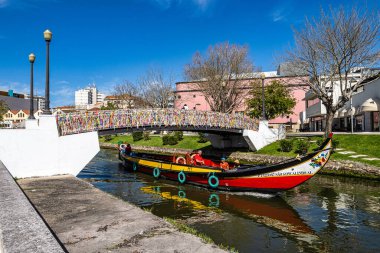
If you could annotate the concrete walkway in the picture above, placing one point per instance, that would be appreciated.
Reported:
(22, 230)
(88, 220)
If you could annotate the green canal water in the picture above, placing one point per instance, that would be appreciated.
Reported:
(326, 214)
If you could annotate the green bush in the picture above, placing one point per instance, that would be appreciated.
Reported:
(286, 145)
(302, 146)
(202, 138)
(146, 136)
(179, 135)
(108, 137)
(335, 143)
(172, 140)
(165, 140)
(169, 140)
(137, 136)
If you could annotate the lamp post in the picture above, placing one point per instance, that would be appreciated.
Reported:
(32, 58)
(263, 95)
(47, 37)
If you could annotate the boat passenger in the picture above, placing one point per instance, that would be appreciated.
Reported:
(224, 165)
(128, 149)
(237, 163)
(198, 159)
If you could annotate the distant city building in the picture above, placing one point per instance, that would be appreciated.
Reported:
(88, 98)
(37, 99)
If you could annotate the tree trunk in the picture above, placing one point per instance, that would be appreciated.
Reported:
(329, 123)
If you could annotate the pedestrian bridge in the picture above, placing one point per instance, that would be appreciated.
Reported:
(118, 121)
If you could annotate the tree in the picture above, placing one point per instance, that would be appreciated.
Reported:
(127, 96)
(110, 106)
(278, 100)
(219, 75)
(157, 89)
(3, 109)
(329, 48)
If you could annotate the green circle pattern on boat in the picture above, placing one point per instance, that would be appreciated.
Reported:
(215, 179)
(182, 194)
(156, 172)
(213, 200)
(182, 177)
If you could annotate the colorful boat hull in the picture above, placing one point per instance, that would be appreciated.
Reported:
(271, 178)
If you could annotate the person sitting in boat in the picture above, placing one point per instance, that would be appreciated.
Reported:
(198, 159)
(224, 165)
(128, 149)
(237, 163)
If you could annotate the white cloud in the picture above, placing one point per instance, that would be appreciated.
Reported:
(278, 15)
(199, 4)
(17, 87)
(3, 3)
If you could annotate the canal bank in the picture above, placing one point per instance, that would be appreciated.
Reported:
(86, 219)
(333, 167)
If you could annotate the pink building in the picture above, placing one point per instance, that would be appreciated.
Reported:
(188, 96)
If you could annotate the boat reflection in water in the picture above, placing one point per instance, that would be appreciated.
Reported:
(268, 210)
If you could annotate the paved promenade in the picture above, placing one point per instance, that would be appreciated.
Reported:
(22, 230)
(88, 220)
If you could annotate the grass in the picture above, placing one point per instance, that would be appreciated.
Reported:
(361, 144)
(187, 229)
(188, 142)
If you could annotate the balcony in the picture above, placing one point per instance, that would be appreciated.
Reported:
(315, 110)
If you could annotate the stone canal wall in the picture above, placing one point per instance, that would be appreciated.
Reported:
(21, 227)
(335, 167)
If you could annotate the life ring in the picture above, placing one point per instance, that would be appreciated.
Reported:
(182, 194)
(182, 177)
(134, 166)
(122, 146)
(156, 172)
(180, 160)
(213, 200)
(211, 183)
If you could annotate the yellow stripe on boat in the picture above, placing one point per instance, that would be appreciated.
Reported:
(171, 166)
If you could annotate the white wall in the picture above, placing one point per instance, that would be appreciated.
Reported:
(39, 151)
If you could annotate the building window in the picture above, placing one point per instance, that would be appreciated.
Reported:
(179, 96)
(194, 96)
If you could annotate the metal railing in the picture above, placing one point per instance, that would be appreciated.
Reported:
(80, 122)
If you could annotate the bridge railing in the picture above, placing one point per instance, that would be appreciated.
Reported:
(80, 122)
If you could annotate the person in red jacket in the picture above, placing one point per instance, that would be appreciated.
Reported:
(199, 159)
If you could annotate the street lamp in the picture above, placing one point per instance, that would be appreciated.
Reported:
(263, 95)
(32, 58)
(47, 37)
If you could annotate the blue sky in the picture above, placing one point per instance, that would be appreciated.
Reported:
(106, 42)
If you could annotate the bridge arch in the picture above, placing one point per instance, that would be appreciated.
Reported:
(112, 121)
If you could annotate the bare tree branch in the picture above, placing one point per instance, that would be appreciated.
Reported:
(219, 75)
(330, 48)
(157, 89)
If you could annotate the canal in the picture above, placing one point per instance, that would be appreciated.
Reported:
(326, 214)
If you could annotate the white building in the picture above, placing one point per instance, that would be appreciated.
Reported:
(88, 97)
(365, 117)
(40, 101)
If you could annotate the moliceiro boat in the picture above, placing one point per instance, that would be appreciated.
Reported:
(234, 177)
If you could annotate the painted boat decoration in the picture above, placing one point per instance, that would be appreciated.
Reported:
(266, 178)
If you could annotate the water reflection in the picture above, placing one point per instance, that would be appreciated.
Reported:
(327, 214)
